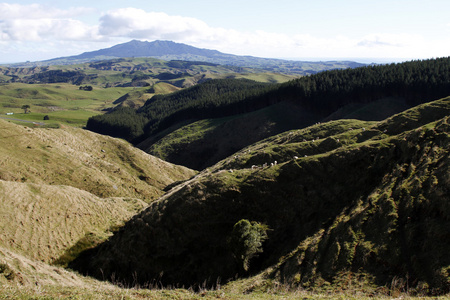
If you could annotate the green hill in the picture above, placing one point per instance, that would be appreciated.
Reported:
(134, 72)
(203, 143)
(345, 202)
(232, 114)
(63, 191)
(71, 94)
(101, 165)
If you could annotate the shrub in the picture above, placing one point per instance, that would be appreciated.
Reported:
(246, 241)
(6, 271)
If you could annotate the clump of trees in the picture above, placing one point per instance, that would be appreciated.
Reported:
(124, 122)
(57, 76)
(86, 88)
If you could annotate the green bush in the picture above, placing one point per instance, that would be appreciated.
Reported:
(246, 241)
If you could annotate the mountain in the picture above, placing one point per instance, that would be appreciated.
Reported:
(168, 50)
(338, 204)
(156, 49)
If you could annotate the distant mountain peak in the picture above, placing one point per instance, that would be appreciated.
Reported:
(169, 50)
(158, 48)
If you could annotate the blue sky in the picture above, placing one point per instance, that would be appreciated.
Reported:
(361, 30)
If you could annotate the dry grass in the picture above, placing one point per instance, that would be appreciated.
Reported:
(43, 221)
(62, 191)
(101, 165)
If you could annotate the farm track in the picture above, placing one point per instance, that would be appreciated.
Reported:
(25, 121)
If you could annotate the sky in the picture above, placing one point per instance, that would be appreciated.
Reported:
(360, 30)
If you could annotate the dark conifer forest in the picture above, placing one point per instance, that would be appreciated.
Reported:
(323, 93)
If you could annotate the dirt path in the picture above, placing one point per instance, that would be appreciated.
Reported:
(26, 121)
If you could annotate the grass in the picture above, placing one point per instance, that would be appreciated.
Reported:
(352, 193)
(203, 143)
(99, 290)
(351, 230)
(67, 104)
(63, 190)
(71, 156)
(63, 103)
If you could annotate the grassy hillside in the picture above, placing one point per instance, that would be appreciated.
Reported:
(135, 72)
(363, 201)
(54, 91)
(101, 165)
(43, 222)
(203, 143)
(63, 103)
(369, 93)
(63, 191)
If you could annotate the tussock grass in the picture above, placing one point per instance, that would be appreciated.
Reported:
(44, 221)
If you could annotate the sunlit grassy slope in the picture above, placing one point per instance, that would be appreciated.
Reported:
(43, 221)
(63, 191)
(124, 82)
(66, 188)
(101, 165)
(366, 201)
(63, 103)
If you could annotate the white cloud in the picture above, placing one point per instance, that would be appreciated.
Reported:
(39, 23)
(57, 28)
(38, 11)
(133, 23)
(44, 29)
(390, 40)
(137, 23)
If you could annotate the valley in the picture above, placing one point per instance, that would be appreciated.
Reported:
(176, 176)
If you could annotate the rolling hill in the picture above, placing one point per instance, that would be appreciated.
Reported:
(134, 72)
(100, 165)
(343, 202)
(232, 114)
(65, 190)
(293, 196)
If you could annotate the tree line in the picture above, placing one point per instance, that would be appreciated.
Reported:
(323, 93)
(210, 99)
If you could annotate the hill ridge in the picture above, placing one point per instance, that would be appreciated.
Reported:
(335, 202)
